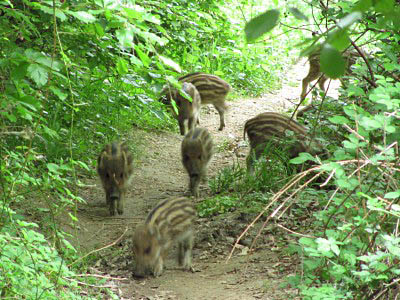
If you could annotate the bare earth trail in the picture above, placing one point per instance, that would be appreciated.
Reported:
(160, 174)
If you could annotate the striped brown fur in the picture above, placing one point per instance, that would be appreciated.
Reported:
(270, 126)
(187, 111)
(114, 166)
(212, 89)
(170, 221)
(197, 150)
(315, 72)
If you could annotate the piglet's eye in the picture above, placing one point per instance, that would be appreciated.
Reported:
(147, 250)
(121, 175)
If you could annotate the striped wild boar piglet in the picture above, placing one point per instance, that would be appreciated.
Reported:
(197, 150)
(212, 89)
(114, 166)
(274, 127)
(170, 221)
(187, 111)
(314, 73)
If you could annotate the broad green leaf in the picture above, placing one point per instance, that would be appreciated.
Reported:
(136, 61)
(332, 63)
(135, 13)
(38, 74)
(83, 16)
(307, 241)
(261, 24)
(339, 39)
(31, 102)
(350, 145)
(66, 243)
(151, 37)
(52, 133)
(24, 113)
(8, 2)
(392, 195)
(49, 10)
(99, 29)
(62, 96)
(339, 120)
(48, 62)
(53, 168)
(355, 90)
(370, 124)
(170, 63)
(384, 6)
(20, 71)
(362, 5)
(349, 19)
(152, 18)
(11, 117)
(125, 37)
(32, 54)
(143, 56)
(303, 157)
(192, 32)
(297, 14)
(122, 66)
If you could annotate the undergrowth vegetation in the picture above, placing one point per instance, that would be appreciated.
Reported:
(77, 74)
(352, 247)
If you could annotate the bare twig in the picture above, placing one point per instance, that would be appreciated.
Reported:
(294, 232)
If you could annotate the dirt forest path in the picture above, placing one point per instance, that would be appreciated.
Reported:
(159, 174)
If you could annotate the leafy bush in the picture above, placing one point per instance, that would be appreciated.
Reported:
(354, 250)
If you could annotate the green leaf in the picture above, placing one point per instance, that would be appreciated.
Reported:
(392, 195)
(303, 157)
(99, 29)
(261, 24)
(135, 13)
(332, 63)
(362, 5)
(52, 133)
(62, 96)
(170, 63)
(49, 10)
(31, 102)
(53, 168)
(339, 120)
(339, 39)
(68, 244)
(20, 71)
(38, 74)
(143, 56)
(384, 6)
(122, 66)
(125, 37)
(349, 19)
(83, 16)
(297, 14)
(307, 241)
(136, 61)
(370, 124)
